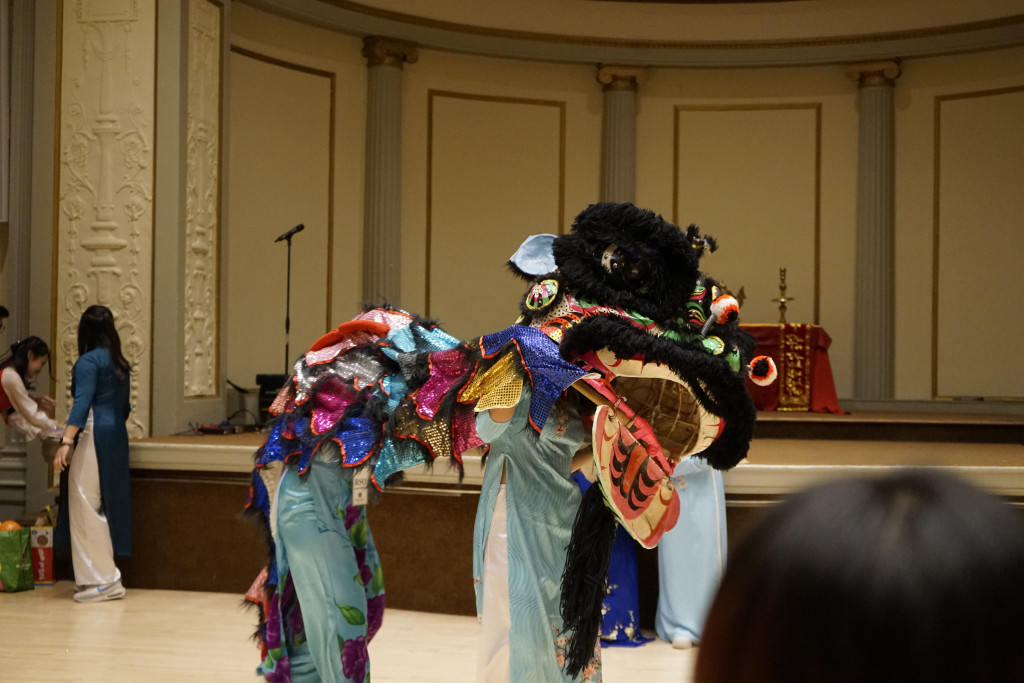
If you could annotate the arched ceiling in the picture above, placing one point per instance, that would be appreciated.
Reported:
(671, 33)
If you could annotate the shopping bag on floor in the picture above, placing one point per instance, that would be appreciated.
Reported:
(15, 561)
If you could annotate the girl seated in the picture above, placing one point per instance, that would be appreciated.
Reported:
(28, 414)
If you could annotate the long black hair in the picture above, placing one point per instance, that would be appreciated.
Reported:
(18, 356)
(96, 330)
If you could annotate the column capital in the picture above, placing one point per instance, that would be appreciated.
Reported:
(381, 51)
(619, 77)
(883, 72)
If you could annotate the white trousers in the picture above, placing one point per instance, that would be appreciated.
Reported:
(92, 551)
(492, 658)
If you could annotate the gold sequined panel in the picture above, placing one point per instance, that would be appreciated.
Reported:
(270, 476)
(795, 367)
(668, 407)
(434, 434)
(500, 386)
(507, 396)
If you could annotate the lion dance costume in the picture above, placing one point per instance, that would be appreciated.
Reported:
(618, 310)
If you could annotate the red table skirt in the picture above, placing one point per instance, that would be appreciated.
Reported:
(805, 374)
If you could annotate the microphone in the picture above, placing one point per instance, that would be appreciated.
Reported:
(298, 228)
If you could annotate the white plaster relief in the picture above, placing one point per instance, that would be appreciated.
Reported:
(202, 203)
(105, 216)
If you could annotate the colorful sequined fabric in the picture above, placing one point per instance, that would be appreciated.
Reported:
(549, 375)
(355, 389)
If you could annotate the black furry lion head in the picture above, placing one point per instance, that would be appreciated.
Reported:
(625, 256)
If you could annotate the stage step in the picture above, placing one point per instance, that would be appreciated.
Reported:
(892, 426)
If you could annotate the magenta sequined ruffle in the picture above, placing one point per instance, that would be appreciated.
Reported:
(447, 368)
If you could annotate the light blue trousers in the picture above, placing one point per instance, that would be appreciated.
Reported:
(316, 549)
(691, 556)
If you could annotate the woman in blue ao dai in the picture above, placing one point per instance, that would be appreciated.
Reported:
(524, 522)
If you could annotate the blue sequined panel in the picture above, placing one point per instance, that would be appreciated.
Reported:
(358, 437)
(396, 455)
(416, 338)
(273, 448)
(549, 374)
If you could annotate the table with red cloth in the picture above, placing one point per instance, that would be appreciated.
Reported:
(805, 375)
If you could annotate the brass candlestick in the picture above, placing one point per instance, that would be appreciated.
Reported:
(782, 296)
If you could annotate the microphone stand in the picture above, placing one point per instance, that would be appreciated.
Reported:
(288, 292)
(288, 306)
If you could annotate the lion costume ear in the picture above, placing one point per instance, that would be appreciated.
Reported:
(533, 257)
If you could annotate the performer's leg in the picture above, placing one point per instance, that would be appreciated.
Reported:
(496, 614)
(322, 565)
(691, 556)
(92, 551)
(373, 578)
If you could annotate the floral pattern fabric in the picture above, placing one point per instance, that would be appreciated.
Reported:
(329, 600)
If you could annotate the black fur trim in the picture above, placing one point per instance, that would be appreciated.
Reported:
(518, 272)
(713, 383)
(585, 578)
(704, 241)
(663, 265)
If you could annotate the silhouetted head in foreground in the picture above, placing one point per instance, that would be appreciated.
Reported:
(914, 576)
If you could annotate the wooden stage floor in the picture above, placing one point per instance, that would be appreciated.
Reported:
(153, 636)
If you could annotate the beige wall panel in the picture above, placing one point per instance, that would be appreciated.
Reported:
(578, 92)
(328, 52)
(495, 177)
(839, 230)
(665, 90)
(280, 159)
(922, 82)
(978, 244)
(754, 171)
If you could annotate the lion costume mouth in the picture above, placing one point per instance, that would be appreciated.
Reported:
(652, 397)
(655, 408)
(665, 384)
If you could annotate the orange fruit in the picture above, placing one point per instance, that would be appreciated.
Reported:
(9, 525)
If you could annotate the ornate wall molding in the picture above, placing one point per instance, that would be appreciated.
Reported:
(105, 212)
(869, 74)
(381, 51)
(615, 77)
(202, 200)
(771, 42)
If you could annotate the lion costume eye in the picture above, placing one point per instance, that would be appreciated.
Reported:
(625, 266)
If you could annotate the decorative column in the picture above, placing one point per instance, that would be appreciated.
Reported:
(874, 303)
(382, 204)
(105, 195)
(202, 200)
(618, 131)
